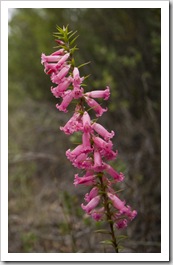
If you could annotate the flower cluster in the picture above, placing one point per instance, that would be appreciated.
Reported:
(95, 150)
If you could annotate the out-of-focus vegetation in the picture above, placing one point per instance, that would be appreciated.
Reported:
(123, 46)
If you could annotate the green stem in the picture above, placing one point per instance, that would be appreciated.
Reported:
(108, 214)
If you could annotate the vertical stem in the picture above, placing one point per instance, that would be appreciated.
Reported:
(108, 214)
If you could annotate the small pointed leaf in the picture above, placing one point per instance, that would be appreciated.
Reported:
(72, 34)
(103, 231)
(74, 40)
(81, 65)
(107, 242)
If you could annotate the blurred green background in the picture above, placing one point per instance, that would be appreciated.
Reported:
(123, 46)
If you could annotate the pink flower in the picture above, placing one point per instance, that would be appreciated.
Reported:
(64, 84)
(62, 73)
(128, 212)
(102, 131)
(71, 155)
(97, 215)
(113, 173)
(121, 224)
(66, 101)
(77, 92)
(86, 122)
(49, 58)
(99, 93)
(93, 193)
(117, 203)
(55, 79)
(102, 144)
(63, 59)
(58, 52)
(133, 214)
(86, 180)
(95, 106)
(86, 142)
(98, 164)
(77, 80)
(60, 42)
(59, 90)
(108, 154)
(55, 92)
(73, 125)
(82, 161)
(91, 205)
(49, 68)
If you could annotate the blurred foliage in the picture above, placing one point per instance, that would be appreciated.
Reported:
(123, 46)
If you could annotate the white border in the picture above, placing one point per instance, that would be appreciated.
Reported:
(164, 255)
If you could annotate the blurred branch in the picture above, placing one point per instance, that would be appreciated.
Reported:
(32, 156)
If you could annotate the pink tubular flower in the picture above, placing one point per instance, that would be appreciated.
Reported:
(128, 212)
(58, 52)
(120, 205)
(73, 125)
(71, 155)
(133, 214)
(49, 58)
(66, 80)
(99, 93)
(98, 164)
(97, 159)
(98, 214)
(64, 84)
(117, 203)
(49, 68)
(102, 131)
(63, 59)
(77, 80)
(102, 144)
(85, 180)
(60, 42)
(108, 154)
(59, 90)
(66, 101)
(95, 106)
(86, 142)
(86, 122)
(113, 173)
(55, 92)
(83, 161)
(121, 224)
(63, 72)
(93, 193)
(77, 92)
(91, 205)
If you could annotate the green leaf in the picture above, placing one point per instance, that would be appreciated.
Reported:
(69, 32)
(121, 237)
(85, 77)
(72, 34)
(107, 242)
(73, 62)
(58, 37)
(72, 50)
(103, 231)
(60, 29)
(83, 84)
(74, 40)
(81, 65)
